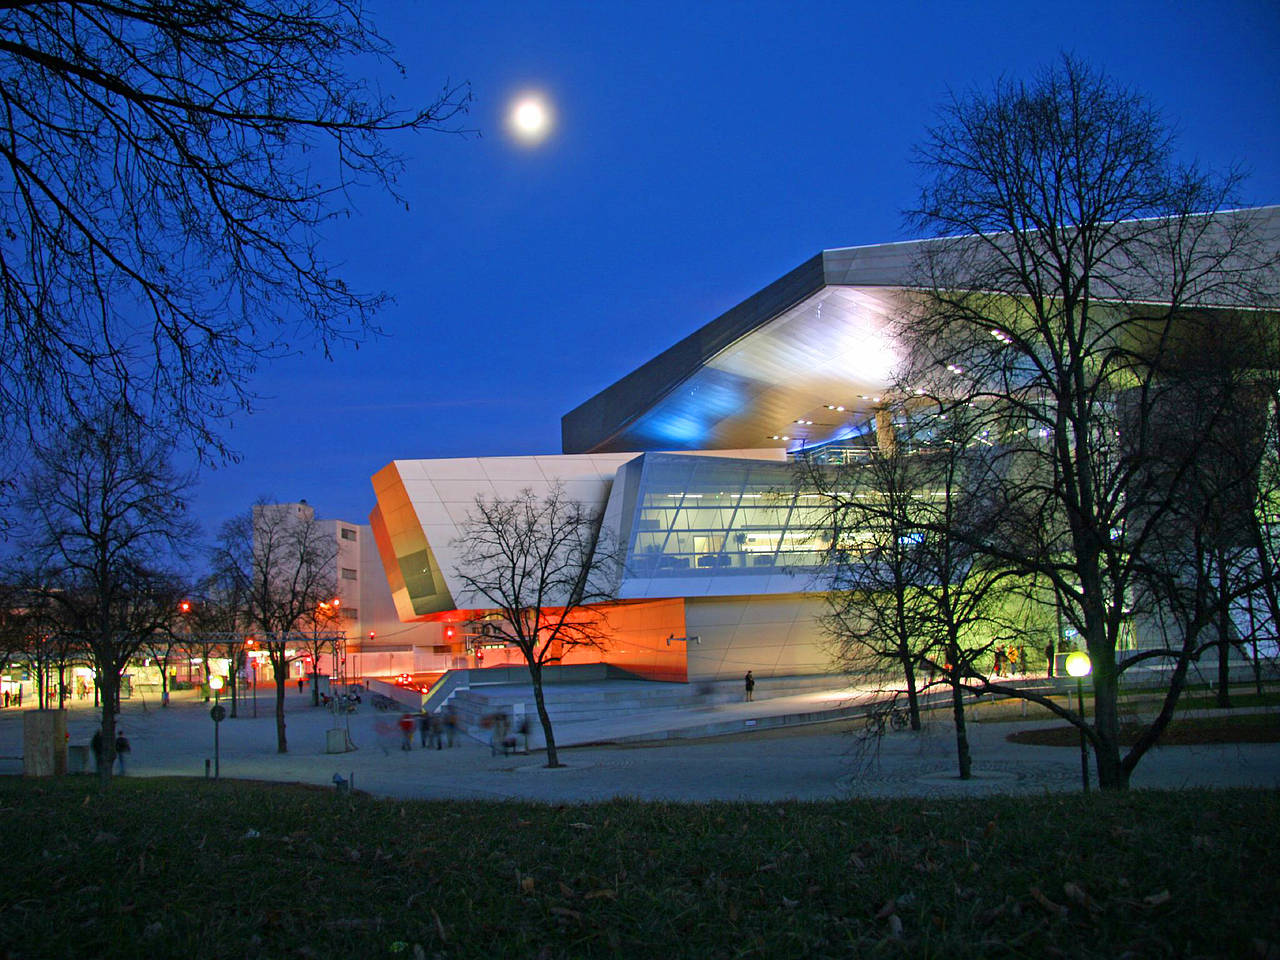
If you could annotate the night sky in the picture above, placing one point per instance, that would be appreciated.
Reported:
(701, 150)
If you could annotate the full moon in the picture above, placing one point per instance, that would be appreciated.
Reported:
(530, 119)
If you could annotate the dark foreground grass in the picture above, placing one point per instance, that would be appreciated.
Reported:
(196, 869)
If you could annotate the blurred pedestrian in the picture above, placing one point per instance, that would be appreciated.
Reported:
(749, 683)
(498, 733)
(424, 728)
(523, 730)
(406, 732)
(123, 748)
(450, 722)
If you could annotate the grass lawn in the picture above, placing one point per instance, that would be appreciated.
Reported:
(176, 868)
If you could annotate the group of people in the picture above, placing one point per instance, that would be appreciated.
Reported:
(1008, 661)
(123, 749)
(13, 699)
(433, 728)
(502, 739)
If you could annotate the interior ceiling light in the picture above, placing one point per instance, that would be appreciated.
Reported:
(807, 423)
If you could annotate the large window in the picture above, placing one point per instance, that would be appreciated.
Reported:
(722, 516)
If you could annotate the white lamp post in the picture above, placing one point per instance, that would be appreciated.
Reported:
(1079, 666)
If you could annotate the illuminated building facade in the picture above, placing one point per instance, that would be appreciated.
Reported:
(687, 458)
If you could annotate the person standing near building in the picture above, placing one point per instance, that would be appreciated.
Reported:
(406, 732)
(749, 684)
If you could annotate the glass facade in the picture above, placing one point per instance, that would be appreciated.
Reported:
(716, 516)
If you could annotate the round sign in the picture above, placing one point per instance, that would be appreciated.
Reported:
(219, 713)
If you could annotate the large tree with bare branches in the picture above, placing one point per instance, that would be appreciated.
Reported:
(105, 520)
(1086, 259)
(280, 563)
(167, 171)
(543, 565)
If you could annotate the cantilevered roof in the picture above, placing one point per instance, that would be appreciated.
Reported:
(804, 360)
(817, 335)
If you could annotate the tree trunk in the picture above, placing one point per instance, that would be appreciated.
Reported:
(1106, 722)
(106, 763)
(963, 758)
(164, 683)
(1224, 636)
(282, 743)
(315, 685)
(535, 674)
(913, 695)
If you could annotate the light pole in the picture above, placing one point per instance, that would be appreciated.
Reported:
(253, 674)
(1078, 666)
(218, 713)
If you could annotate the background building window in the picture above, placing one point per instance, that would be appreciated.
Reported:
(348, 533)
(348, 573)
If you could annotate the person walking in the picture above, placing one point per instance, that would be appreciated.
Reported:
(523, 730)
(424, 728)
(450, 723)
(749, 683)
(406, 732)
(123, 748)
(1048, 655)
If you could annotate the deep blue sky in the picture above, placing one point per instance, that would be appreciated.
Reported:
(702, 150)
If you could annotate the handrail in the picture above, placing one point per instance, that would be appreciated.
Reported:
(445, 687)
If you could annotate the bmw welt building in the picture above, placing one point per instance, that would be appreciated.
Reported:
(684, 457)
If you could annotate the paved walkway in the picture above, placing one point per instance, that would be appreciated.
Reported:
(820, 761)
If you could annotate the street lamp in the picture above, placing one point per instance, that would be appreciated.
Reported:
(1078, 666)
(218, 713)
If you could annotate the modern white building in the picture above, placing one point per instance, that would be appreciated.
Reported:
(688, 457)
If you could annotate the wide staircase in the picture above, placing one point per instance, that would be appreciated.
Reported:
(568, 701)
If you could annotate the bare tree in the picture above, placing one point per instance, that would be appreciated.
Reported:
(1085, 256)
(543, 565)
(105, 515)
(908, 587)
(284, 563)
(15, 624)
(163, 646)
(321, 633)
(169, 171)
